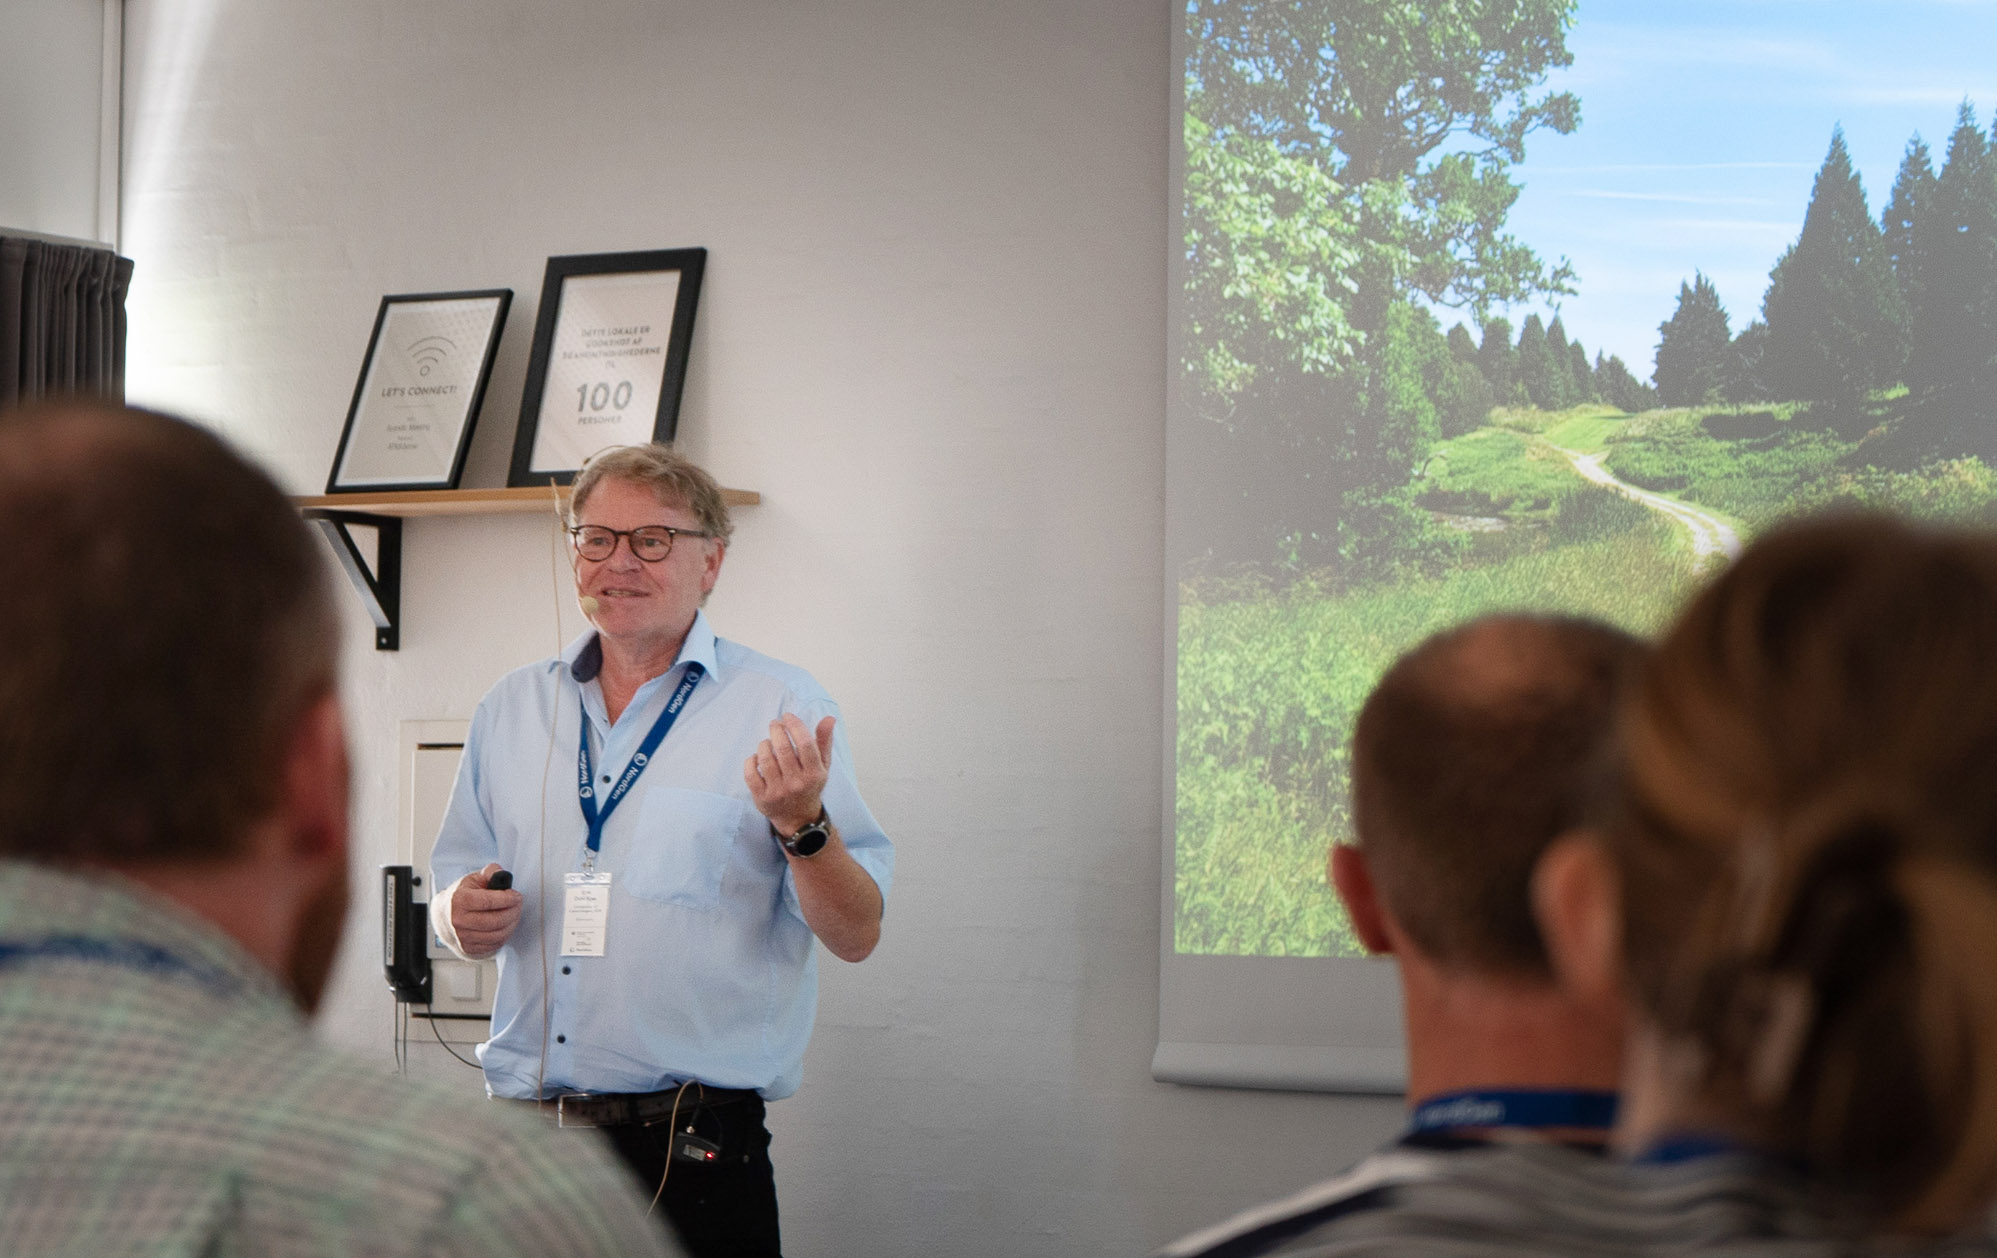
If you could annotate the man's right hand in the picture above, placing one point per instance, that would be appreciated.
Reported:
(483, 919)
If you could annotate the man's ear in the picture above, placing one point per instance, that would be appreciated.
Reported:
(1577, 900)
(710, 571)
(1353, 878)
(314, 807)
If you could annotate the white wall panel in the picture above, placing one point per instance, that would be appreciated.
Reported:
(58, 91)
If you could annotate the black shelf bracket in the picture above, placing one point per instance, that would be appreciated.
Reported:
(381, 589)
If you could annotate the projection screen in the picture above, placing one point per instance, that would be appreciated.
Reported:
(1504, 305)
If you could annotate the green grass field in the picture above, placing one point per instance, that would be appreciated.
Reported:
(1270, 678)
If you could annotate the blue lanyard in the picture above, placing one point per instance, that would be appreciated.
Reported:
(129, 954)
(1686, 1146)
(587, 793)
(1552, 1107)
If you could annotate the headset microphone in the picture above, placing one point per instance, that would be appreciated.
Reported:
(589, 605)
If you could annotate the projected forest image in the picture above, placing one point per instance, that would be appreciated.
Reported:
(1536, 305)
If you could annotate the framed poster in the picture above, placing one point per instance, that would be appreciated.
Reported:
(418, 395)
(610, 349)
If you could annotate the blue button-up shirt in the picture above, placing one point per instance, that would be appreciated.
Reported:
(709, 971)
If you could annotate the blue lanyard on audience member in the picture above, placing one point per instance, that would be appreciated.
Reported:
(129, 954)
(1685, 1146)
(586, 792)
(1551, 1107)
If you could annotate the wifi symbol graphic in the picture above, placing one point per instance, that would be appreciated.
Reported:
(430, 351)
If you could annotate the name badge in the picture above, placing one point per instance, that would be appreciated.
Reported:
(585, 914)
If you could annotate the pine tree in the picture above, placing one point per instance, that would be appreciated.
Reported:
(1955, 321)
(1836, 325)
(1536, 371)
(1743, 380)
(1561, 368)
(1500, 363)
(1461, 346)
(1901, 224)
(1577, 368)
(1619, 388)
(1692, 346)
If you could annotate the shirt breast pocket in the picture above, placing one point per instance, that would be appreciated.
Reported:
(683, 846)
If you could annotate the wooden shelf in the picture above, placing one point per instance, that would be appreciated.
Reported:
(415, 502)
(379, 583)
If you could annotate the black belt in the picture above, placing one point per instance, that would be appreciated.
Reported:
(636, 1109)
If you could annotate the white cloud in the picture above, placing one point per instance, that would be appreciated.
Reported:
(1673, 198)
(1527, 170)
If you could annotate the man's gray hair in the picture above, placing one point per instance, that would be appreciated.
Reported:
(672, 477)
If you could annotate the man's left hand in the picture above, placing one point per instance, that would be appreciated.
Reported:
(786, 776)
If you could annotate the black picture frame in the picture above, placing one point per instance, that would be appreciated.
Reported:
(432, 335)
(609, 346)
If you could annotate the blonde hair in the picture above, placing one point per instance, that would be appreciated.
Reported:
(672, 477)
(1808, 801)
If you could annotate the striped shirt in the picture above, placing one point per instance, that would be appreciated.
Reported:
(1496, 1200)
(160, 1095)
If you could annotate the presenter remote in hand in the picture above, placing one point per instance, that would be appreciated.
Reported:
(682, 816)
(483, 916)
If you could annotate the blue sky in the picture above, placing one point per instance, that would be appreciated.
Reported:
(1702, 127)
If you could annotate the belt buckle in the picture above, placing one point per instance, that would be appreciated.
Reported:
(563, 1112)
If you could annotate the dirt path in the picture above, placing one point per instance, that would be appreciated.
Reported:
(1712, 537)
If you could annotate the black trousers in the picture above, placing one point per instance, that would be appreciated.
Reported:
(726, 1208)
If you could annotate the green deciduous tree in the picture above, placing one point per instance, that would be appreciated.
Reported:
(1346, 159)
(1269, 253)
(1693, 344)
(1836, 325)
(1305, 446)
(1268, 338)
(1431, 102)
(1412, 396)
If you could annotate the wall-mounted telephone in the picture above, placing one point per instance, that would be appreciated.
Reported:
(405, 935)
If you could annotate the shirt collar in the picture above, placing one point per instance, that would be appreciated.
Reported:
(583, 657)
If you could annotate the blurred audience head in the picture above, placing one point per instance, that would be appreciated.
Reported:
(167, 653)
(1476, 750)
(1805, 843)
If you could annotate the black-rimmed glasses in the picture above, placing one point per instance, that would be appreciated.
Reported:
(651, 543)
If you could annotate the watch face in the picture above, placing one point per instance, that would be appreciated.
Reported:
(808, 841)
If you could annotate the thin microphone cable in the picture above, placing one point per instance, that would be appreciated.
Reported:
(547, 767)
(672, 1132)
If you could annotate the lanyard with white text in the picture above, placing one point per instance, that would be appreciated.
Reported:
(586, 792)
(1552, 1107)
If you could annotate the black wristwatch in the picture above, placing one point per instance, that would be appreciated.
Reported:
(810, 838)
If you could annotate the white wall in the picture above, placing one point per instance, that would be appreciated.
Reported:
(58, 158)
(932, 335)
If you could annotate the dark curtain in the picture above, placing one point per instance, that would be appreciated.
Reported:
(62, 319)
